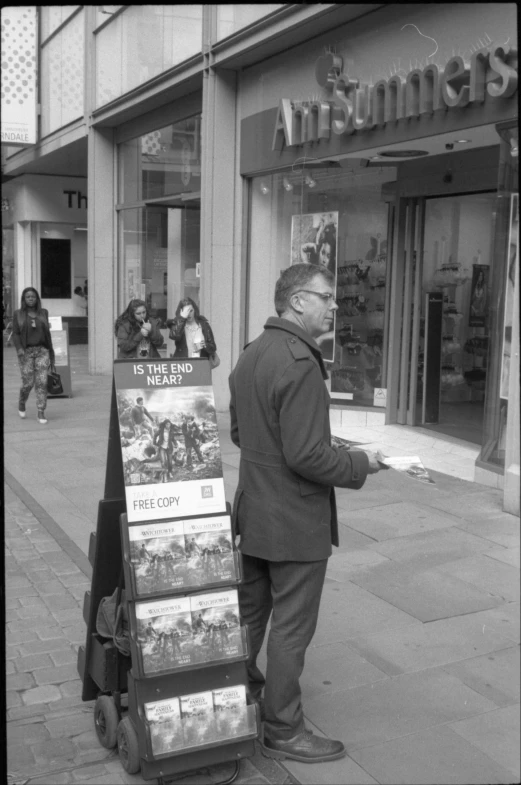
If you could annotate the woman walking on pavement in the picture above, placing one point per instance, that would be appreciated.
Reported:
(138, 334)
(33, 343)
(191, 332)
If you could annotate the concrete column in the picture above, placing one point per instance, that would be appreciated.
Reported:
(101, 255)
(512, 457)
(24, 263)
(221, 208)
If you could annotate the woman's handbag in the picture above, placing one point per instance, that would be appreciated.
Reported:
(54, 382)
(214, 360)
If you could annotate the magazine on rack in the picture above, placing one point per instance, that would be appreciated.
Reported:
(164, 634)
(169, 439)
(178, 554)
(216, 626)
(165, 727)
(231, 715)
(198, 718)
(209, 550)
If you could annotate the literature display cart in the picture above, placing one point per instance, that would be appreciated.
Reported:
(164, 553)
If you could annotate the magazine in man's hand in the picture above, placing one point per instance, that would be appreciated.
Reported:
(410, 465)
(344, 444)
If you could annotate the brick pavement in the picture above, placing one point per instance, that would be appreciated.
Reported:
(50, 732)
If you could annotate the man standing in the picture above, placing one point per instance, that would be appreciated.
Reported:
(284, 508)
(138, 414)
(190, 431)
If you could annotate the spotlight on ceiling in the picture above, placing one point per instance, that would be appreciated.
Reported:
(287, 185)
(264, 188)
(310, 182)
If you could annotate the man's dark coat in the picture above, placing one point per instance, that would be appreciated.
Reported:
(284, 508)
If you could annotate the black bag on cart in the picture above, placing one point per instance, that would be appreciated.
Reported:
(112, 620)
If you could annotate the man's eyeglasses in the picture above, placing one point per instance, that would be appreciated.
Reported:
(326, 296)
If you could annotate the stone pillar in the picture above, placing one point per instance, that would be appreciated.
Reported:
(101, 250)
(221, 210)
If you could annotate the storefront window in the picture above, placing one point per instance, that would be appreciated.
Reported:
(334, 217)
(62, 64)
(231, 18)
(159, 239)
(162, 162)
(142, 42)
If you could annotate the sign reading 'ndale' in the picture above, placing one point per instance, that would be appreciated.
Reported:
(491, 71)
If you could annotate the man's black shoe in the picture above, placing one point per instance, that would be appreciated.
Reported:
(303, 747)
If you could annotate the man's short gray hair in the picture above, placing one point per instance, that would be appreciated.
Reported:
(296, 277)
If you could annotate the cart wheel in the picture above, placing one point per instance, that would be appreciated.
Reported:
(106, 720)
(128, 746)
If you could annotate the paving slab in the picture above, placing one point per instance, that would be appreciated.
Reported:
(394, 707)
(496, 734)
(346, 563)
(500, 580)
(429, 645)
(398, 520)
(347, 611)
(431, 757)
(349, 538)
(336, 666)
(507, 555)
(441, 545)
(502, 530)
(494, 675)
(425, 594)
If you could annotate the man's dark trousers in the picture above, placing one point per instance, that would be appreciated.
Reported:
(292, 590)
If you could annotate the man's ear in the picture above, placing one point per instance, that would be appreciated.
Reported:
(295, 303)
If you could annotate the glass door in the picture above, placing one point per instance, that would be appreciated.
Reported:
(452, 332)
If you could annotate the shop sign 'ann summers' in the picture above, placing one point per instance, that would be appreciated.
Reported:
(351, 108)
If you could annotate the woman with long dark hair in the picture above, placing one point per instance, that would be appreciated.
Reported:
(191, 332)
(33, 343)
(138, 334)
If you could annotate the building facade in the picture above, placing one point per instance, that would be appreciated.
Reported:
(205, 148)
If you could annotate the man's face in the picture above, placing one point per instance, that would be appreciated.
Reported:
(318, 314)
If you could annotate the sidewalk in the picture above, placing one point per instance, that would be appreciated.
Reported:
(415, 662)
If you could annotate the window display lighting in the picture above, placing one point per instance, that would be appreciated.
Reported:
(264, 188)
(287, 185)
(310, 182)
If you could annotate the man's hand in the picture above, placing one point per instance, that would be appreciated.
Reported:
(374, 461)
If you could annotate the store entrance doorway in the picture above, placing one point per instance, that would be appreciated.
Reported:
(448, 244)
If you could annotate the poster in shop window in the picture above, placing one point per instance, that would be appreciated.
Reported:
(169, 439)
(478, 316)
(314, 240)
